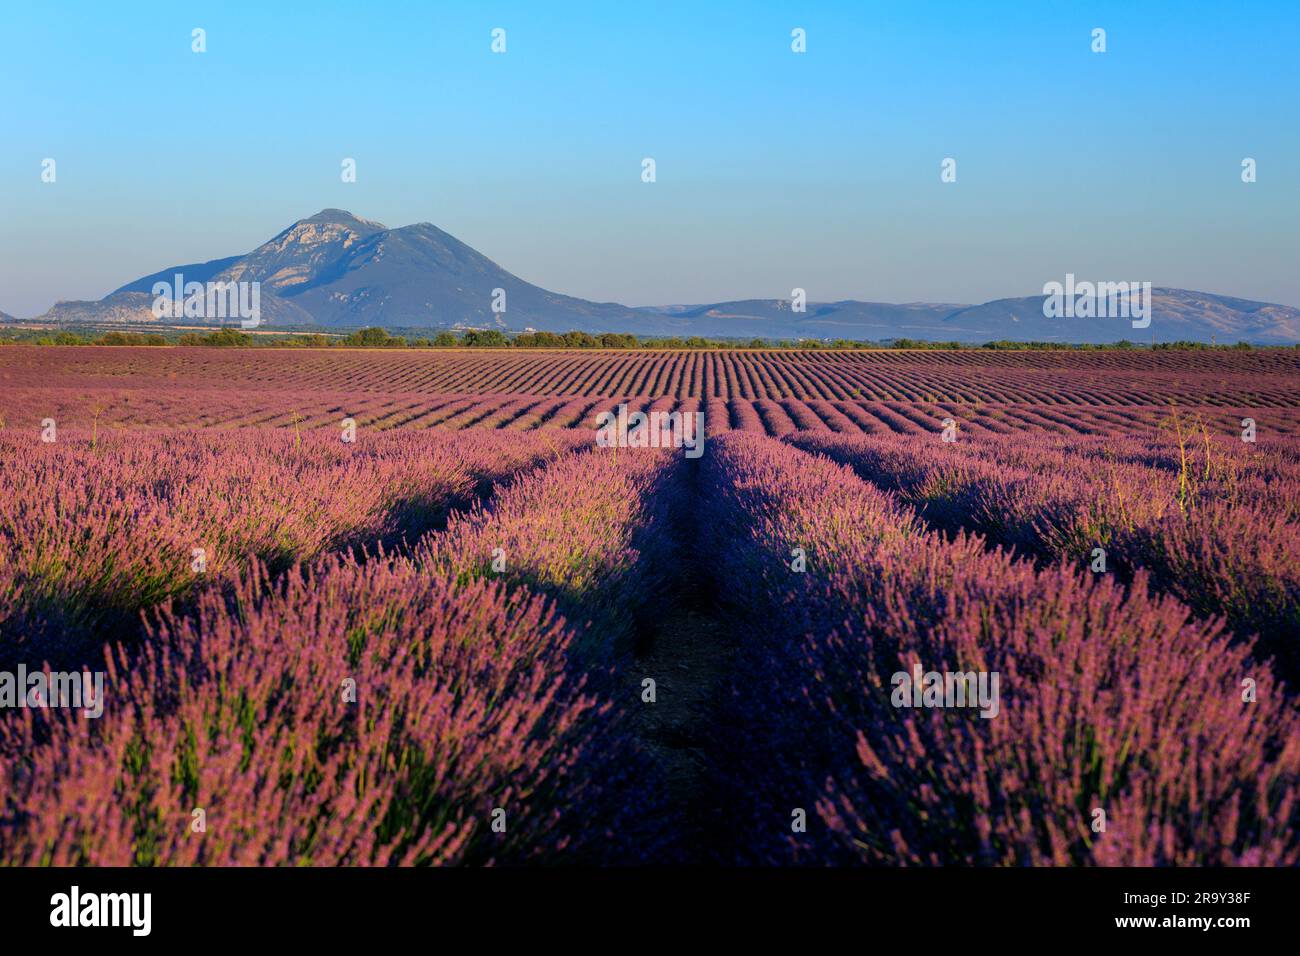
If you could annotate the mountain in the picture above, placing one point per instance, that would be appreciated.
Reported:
(337, 270)
(773, 318)
(1176, 314)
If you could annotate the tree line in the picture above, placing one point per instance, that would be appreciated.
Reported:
(376, 337)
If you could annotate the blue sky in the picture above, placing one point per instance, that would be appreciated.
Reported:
(775, 169)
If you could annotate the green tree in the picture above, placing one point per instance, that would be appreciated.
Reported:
(485, 338)
(228, 338)
(368, 338)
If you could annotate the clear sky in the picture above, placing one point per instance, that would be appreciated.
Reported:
(774, 169)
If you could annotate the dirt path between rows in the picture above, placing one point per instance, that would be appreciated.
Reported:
(685, 646)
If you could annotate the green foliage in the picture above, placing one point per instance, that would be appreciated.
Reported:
(484, 339)
(313, 341)
(226, 338)
(121, 338)
(1008, 345)
(378, 337)
(922, 344)
(370, 338)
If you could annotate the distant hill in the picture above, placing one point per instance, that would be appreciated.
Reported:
(1177, 314)
(337, 270)
(773, 318)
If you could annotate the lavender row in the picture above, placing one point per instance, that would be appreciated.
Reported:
(1123, 732)
(95, 528)
(1219, 556)
(429, 709)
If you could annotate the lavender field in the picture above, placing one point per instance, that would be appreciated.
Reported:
(406, 609)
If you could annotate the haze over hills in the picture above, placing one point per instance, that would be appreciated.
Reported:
(1177, 314)
(336, 270)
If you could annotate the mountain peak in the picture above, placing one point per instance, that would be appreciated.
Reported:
(341, 217)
